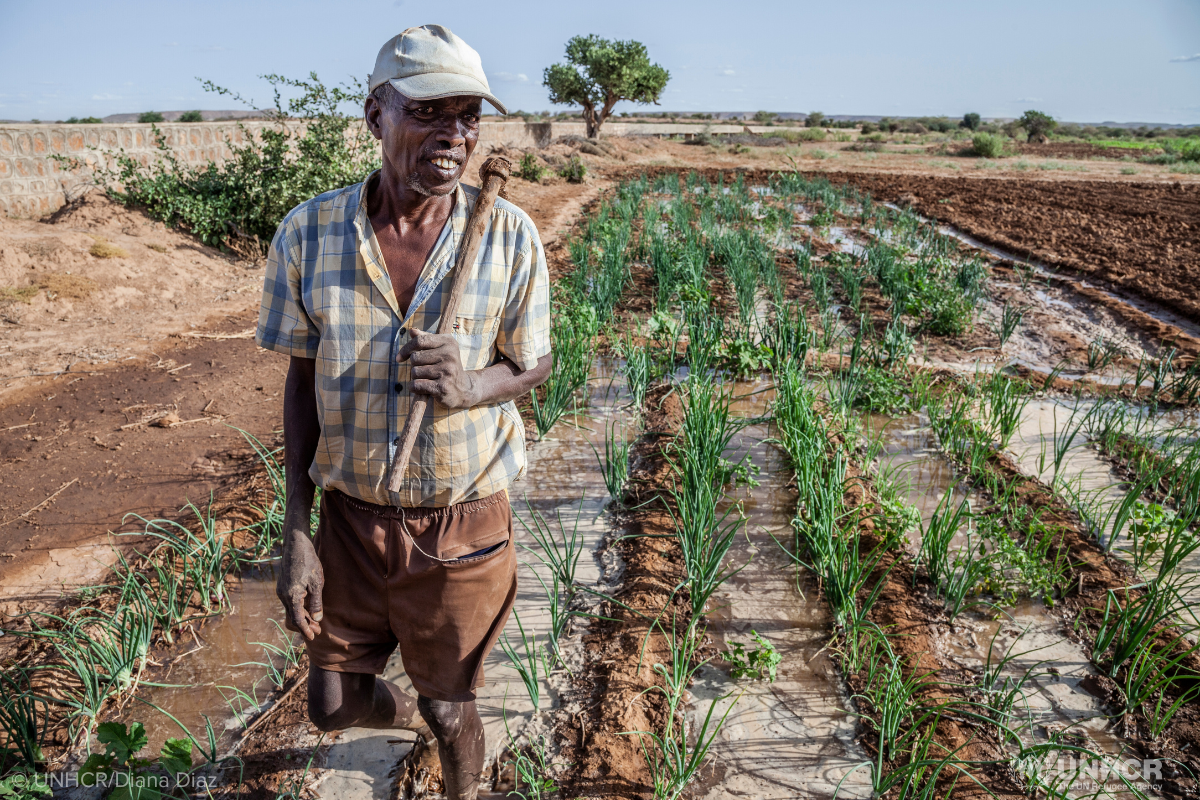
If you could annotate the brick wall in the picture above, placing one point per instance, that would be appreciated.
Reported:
(32, 183)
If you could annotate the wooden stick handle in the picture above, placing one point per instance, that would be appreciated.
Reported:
(494, 172)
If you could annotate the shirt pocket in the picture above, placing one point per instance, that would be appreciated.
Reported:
(476, 337)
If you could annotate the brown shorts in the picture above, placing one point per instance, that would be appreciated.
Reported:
(381, 592)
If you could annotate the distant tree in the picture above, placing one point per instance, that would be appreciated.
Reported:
(971, 121)
(1037, 125)
(599, 73)
(150, 116)
(763, 117)
(869, 127)
(191, 116)
(814, 120)
(84, 121)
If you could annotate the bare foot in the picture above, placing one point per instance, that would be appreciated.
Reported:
(418, 774)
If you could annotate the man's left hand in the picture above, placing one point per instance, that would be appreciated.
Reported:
(437, 371)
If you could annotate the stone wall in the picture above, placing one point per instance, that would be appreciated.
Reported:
(33, 183)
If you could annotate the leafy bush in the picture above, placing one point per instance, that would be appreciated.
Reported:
(531, 169)
(763, 117)
(240, 202)
(987, 145)
(574, 170)
(84, 121)
(150, 116)
(814, 120)
(971, 121)
(191, 116)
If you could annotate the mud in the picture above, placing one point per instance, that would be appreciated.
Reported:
(1094, 574)
(1139, 238)
(619, 654)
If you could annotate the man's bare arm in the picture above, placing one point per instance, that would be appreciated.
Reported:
(438, 373)
(300, 577)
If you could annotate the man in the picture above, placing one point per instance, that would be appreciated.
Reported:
(355, 280)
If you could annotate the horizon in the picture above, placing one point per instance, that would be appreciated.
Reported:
(1074, 61)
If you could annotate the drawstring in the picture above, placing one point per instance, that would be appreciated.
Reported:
(413, 539)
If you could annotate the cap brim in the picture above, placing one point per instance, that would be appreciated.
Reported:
(433, 85)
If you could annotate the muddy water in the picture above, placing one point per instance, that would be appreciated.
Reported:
(1083, 472)
(792, 737)
(1031, 633)
(215, 664)
(1185, 324)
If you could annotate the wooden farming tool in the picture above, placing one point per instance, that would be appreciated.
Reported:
(494, 173)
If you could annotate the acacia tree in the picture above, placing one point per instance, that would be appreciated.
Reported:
(1037, 125)
(599, 72)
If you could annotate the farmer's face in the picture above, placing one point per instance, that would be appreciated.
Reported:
(426, 143)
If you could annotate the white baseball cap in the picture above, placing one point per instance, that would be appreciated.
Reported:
(429, 62)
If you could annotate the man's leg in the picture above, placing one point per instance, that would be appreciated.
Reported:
(459, 733)
(340, 700)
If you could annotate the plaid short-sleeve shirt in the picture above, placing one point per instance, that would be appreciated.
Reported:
(327, 296)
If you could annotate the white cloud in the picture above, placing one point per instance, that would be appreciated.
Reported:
(508, 77)
(106, 96)
(1183, 59)
(726, 72)
(1029, 99)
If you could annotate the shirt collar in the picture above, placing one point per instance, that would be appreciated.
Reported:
(441, 260)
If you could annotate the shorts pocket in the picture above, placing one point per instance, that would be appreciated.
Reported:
(490, 552)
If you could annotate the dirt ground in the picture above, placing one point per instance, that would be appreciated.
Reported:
(121, 336)
(95, 348)
(1143, 239)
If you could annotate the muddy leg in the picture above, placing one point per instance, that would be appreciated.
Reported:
(340, 700)
(459, 733)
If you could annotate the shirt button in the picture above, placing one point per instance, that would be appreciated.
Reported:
(399, 387)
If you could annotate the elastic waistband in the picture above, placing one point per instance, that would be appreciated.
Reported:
(420, 512)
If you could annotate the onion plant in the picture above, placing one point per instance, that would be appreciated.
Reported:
(204, 558)
(614, 464)
(23, 720)
(705, 536)
(1125, 627)
(674, 759)
(1154, 676)
(574, 349)
(1011, 316)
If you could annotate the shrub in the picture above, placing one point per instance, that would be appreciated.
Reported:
(241, 201)
(574, 170)
(84, 121)
(191, 116)
(1037, 125)
(763, 117)
(971, 121)
(150, 116)
(814, 120)
(869, 127)
(106, 249)
(530, 168)
(987, 145)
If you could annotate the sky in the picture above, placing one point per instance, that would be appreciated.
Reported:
(1079, 61)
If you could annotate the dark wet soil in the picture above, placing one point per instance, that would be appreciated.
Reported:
(75, 436)
(1143, 239)
(620, 652)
